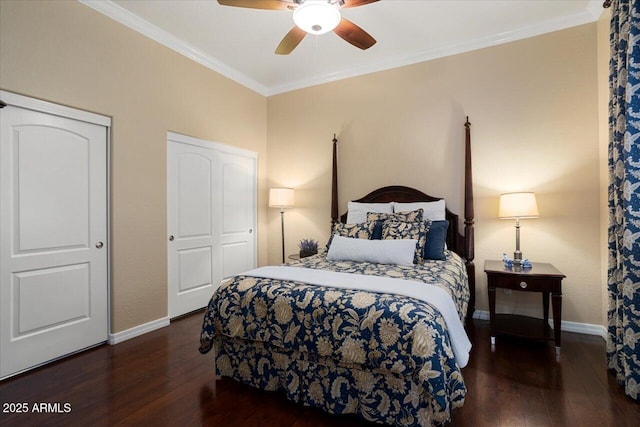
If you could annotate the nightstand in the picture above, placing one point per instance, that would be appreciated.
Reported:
(542, 277)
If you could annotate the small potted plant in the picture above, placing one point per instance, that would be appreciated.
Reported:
(308, 247)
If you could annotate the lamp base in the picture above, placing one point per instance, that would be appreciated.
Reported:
(517, 257)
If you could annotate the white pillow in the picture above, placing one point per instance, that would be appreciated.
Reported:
(399, 251)
(435, 211)
(357, 212)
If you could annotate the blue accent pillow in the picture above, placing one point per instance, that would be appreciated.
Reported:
(377, 231)
(436, 240)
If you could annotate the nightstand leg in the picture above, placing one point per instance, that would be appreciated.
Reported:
(556, 299)
(545, 308)
(492, 312)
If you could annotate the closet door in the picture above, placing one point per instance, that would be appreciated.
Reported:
(53, 251)
(237, 175)
(211, 217)
(191, 246)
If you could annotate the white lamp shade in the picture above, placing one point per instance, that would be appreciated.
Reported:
(518, 205)
(281, 198)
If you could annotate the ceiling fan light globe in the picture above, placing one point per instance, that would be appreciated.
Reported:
(316, 17)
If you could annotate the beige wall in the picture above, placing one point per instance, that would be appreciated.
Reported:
(533, 105)
(67, 53)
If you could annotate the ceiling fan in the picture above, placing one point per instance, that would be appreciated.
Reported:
(314, 17)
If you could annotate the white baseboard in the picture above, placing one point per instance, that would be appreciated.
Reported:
(584, 328)
(579, 328)
(136, 331)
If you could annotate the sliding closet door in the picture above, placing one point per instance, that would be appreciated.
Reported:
(211, 216)
(191, 246)
(237, 177)
(53, 251)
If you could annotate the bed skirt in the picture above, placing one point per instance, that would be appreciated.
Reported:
(376, 395)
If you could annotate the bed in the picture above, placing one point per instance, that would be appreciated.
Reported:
(383, 341)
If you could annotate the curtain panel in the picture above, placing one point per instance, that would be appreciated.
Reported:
(623, 332)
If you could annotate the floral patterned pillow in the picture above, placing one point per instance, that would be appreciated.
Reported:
(364, 230)
(408, 230)
(412, 216)
(379, 218)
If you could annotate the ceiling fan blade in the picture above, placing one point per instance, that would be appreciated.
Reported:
(290, 41)
(260, 4)
(355, 3)
(353, 34)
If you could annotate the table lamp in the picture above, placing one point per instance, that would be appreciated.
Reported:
(518, 205)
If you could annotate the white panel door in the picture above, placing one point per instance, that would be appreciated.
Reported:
(190, 202)
(211, 216)
(53, 251)
(237, 175)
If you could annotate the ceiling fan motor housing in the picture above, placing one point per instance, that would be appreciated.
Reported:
(316, 16)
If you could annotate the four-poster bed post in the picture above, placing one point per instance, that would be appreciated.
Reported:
(469, 241)
(334, 183)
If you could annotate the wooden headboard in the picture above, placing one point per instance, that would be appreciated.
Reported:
(460, 243)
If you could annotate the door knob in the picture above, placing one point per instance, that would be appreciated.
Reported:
(171, 238)
(250, 230)
(99, 245)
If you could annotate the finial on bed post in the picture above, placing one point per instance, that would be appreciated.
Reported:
(334, 184)
(469, 219)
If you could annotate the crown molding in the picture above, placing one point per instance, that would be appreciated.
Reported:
(123, 16)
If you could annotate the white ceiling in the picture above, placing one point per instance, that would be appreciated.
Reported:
(239, 42)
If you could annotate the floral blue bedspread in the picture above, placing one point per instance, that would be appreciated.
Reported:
(385, 357)
(449, 274)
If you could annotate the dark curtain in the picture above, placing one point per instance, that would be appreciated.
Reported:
(623, 337)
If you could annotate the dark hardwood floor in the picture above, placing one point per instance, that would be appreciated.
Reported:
(160, 379)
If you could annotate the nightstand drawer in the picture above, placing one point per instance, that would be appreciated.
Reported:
(528, 284)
